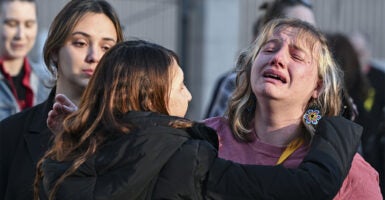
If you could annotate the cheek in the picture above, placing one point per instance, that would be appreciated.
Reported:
(69, 60)
(31, 33)
(255, 68)
(178, 101)
(313, 72)
(306, 75)
(8, 33)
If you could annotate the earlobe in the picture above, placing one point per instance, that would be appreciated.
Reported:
(55, 58)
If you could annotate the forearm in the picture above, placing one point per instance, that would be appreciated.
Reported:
(318, 177)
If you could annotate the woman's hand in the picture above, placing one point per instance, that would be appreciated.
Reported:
(60, 110)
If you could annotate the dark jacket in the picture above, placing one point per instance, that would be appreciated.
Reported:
(156, 161)
(24, 138)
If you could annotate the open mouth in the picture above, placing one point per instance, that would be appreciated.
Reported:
(274, 76)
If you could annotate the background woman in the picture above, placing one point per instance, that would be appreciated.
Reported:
(79, 35)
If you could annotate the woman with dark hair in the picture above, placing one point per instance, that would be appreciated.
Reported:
(78, 37)
(129, 140)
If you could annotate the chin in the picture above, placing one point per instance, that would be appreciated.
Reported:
(82, 85)
(17, 55)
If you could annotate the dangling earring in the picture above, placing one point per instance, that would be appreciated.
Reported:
(312, 114)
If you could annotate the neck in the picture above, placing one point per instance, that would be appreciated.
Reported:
(278, 124)
(72, 91)
(13, 66)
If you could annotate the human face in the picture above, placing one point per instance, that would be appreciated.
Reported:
(92, 36)
(284, 70)
(18, 29)
(180, 96)
(300, 12)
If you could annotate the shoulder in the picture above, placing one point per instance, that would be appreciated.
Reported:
(42, 75)
(19, 118)
(39, 69)
(362, 182)
(220, 125)
(15, 126)
(361, 168)
(216, 122)
(229, 80)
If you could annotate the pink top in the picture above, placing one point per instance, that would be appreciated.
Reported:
(362, 182)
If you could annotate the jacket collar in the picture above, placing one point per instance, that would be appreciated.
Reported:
(196, 131)
(38, 136)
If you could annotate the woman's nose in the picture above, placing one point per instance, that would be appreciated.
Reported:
(189, 96)
(93, 55)
(279, 58)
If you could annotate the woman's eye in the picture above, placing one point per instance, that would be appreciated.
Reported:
(268, 48)
(11, 23)
(106, 48)
(79, 44)
(297, 57)
(30, 24)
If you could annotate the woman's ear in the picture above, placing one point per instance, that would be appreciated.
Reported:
(55, 58)
(317, 89)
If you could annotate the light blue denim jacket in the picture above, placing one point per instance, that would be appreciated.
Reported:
(39, 82)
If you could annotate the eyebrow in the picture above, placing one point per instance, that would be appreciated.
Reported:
(14, 19)
(297, 47)
(88, 36)
(292, 44)
(273, 40)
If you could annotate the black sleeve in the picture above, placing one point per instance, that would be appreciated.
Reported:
(318, 177)
(183, 175)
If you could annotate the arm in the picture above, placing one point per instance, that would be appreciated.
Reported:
(318, 177)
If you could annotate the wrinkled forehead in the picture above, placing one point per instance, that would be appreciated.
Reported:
(296, 36)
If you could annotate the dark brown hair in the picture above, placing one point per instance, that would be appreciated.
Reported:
(131, 76)
(275, 9)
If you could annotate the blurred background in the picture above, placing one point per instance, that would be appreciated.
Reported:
(208, 34)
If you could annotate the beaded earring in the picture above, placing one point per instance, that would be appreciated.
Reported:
(312, 114)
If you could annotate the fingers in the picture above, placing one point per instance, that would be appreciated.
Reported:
(53, 122)
(67, 105)
(60, 110)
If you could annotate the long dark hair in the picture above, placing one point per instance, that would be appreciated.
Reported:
(131, 76)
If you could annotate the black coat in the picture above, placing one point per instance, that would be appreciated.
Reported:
(159, 162)
(24, 137)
